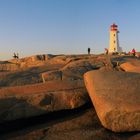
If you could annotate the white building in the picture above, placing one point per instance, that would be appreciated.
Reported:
(114, 40)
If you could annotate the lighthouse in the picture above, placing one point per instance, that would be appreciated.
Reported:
(114, 40)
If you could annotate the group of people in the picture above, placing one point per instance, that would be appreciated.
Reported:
(132, 52)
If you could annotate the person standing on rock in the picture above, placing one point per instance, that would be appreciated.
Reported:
(106, 51)
(88, 50)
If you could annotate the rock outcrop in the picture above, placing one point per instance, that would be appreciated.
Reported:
(23, 63)
(73, 70)
(51, 75)
(8, 66)
(132, 66)
(33, 100)
(138, 54)
(116, 99)
(115, 96)
(76, 69)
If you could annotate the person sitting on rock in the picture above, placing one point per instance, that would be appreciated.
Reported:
(133, 52)
(15, 56)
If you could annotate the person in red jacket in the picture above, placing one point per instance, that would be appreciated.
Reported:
(133, 52)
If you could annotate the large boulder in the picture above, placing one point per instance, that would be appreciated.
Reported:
(132, 66)
(116, 98)
(33, 100)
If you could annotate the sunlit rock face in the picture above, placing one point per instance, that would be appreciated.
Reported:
(8, 66)
(115, 96)
(131, 66)
(73, 70)
(33, 100)
(26, 62)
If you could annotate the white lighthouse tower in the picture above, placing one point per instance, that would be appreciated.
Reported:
(114, 40)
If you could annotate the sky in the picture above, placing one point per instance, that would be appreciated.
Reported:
(32, 27)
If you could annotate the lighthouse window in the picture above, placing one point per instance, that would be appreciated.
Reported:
(114, 34)
(114, 42)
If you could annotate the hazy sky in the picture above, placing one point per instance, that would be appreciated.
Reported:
(66, 26)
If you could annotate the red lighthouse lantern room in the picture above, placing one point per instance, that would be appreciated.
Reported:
(114, 27)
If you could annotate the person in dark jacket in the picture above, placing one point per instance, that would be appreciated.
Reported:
(88, 50)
